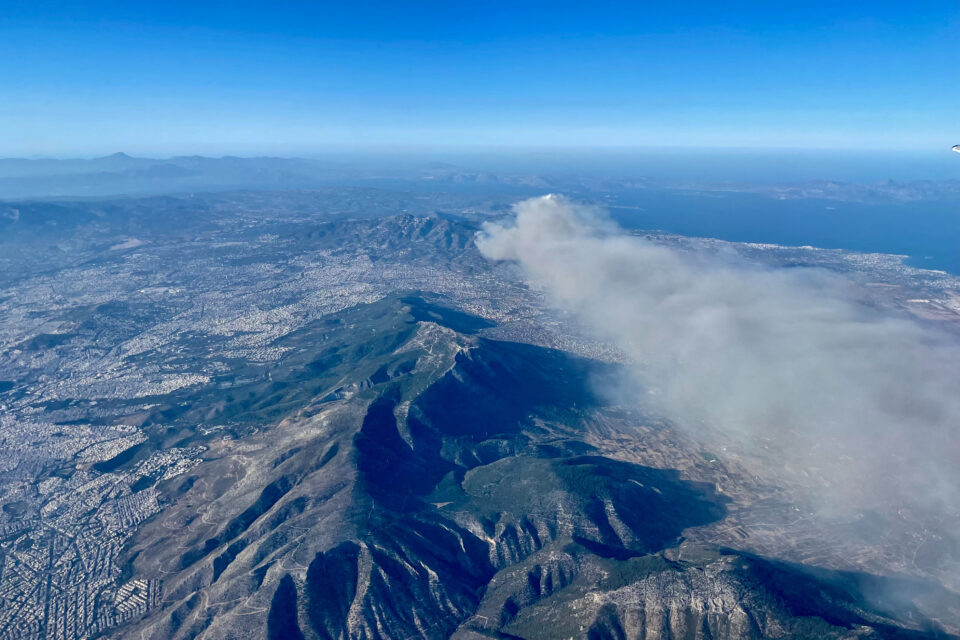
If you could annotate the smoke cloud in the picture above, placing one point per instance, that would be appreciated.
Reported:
(784, 362)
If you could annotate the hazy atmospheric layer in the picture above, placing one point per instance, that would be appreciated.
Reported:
(787, 362)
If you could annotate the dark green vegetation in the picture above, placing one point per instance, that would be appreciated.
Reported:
(398, 476)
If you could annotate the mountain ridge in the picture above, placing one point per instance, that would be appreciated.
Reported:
(450, 492)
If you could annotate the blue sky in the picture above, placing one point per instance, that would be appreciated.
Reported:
(86, 78)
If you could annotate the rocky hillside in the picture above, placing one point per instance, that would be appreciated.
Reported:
(401, 477)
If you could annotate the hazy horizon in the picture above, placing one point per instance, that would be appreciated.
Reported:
(720, 164)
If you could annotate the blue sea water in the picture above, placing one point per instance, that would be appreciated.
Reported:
(926, 231)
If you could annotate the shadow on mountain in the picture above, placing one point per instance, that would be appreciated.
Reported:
(849, 598)
(449, 489)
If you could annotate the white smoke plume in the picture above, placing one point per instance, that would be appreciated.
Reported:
(784, 360)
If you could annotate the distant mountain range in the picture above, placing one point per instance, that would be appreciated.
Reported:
(122, 174)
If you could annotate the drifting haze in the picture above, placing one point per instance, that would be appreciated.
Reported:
(781, 362)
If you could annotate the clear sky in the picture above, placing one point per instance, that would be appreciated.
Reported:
(93, 77)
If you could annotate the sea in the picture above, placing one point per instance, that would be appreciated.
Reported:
(927, 232)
